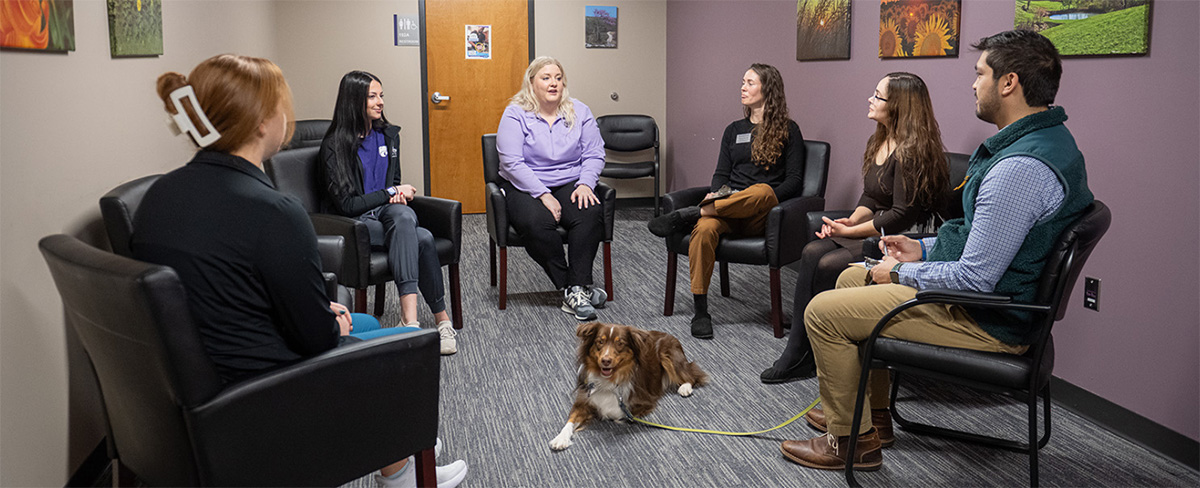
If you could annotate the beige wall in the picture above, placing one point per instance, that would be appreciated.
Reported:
(72, 126)
(636, 70)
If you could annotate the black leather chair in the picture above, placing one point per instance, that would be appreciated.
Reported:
(627, 134)
(502, 236)
(309, 133)
(173, 423)
(1023, 377)
(295, 172)
(779, 246)
(119, 205)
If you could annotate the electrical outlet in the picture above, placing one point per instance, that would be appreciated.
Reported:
(1091, 293)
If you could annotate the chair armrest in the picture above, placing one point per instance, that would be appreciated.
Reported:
(308, 412)
(871, 244)
(442, 217)
(497, 214)
(683, 198)
(356, 253)
(815, 222)
(608, 196)
(785, 235)
(331, 248)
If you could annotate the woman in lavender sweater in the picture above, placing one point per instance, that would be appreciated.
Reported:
(551, 155)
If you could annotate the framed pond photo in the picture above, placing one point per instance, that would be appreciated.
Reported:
(822, 29)
(919, 28)
(1089, 27)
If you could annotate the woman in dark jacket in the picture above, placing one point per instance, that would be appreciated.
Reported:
(361, 167)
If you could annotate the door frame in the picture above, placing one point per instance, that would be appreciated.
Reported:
(425, 84)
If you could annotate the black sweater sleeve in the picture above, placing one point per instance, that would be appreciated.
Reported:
(793, 156)
(342, 191)
(724, 161)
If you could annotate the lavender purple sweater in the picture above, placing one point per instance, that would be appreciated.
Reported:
(535, 155)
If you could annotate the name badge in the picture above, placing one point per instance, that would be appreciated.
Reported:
(742, 138)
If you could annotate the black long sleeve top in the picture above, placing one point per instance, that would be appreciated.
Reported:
(884, 194)
(247, 256)
(346, 197)
(736, 169)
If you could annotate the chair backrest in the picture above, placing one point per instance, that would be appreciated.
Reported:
(135, 325)
(816, 168)
(1067, 257)
(118, 207)
(628, 132)
(294, 172)
(309, 133)
(952, 207)
(491, 159)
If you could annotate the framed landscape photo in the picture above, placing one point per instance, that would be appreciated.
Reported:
(919, 28)
(135, 27)
(600, 27)
(1089, 27)
(822, 29)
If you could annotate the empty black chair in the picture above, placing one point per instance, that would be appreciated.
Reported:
(779, 245)
(629, 134)
(309, 133)
(1024, 377)
(502, 236)
(173, 422)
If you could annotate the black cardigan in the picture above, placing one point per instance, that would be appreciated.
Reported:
(346, 197)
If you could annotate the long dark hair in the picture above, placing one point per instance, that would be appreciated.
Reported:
(351, 121)
(919, 153)
(772, 133)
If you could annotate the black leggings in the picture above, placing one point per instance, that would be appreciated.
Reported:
(539, 232)
(821, 262)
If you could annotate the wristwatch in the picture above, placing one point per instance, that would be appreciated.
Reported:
(895, 273)
(391, 190)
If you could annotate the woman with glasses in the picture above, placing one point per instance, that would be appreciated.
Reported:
(904, 176)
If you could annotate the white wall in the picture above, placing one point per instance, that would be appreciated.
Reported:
(72, 126)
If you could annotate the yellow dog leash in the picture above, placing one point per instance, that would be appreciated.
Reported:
(719, 432)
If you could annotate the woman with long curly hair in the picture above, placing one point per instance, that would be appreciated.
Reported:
(760, 164)
(904, 176)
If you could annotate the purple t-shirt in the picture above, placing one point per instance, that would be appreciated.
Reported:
(374, 156)
(535, 155)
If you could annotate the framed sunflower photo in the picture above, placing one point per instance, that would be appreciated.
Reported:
(919, 28)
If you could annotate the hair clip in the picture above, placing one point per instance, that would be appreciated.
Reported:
(184, 123)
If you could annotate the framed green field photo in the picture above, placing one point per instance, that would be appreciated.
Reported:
(135, 27)
(1089, 27)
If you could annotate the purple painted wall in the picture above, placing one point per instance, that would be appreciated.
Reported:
(1137, 120)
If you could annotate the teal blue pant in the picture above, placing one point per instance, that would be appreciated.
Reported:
(367, 327)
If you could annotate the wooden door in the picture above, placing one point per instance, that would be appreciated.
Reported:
(478, 89)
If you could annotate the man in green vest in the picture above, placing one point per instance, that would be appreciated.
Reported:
(1024, 185)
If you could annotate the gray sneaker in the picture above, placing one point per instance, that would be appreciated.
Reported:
(599, 297)
(577, 300)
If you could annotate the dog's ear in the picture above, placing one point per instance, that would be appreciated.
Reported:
(587, 331)
(638, 339)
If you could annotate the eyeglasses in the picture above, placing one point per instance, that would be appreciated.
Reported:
(877, 97)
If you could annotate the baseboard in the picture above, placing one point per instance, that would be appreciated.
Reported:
(1127, 424)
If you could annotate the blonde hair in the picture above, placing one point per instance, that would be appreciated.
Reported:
(528, 101)
(236, 93)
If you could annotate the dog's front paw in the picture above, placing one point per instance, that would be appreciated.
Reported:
(685, 389)
(560, 442)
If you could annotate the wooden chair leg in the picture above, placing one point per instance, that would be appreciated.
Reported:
(380, 298)
(503, 278)
(724, 278)
(360, 300)
(492, 256)
(455, 297)
(776, 304)
(426, 469)
(669, 295)
(608, 284)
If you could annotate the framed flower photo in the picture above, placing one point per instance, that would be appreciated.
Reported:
(43, 25)
(919, 28)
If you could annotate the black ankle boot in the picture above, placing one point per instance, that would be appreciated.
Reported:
(674, 222)
(796, 362)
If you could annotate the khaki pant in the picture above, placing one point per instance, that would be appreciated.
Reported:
(840, 318)
(743, 213)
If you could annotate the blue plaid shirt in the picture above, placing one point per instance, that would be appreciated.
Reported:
(1017, 193)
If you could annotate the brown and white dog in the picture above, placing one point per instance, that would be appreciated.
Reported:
(619, 364)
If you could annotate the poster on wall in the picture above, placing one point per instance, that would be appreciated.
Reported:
(1089, 27)
(45, 25)
(920, 28)
(479, 42)
(135, 27)
(822, 29)
(600, 27)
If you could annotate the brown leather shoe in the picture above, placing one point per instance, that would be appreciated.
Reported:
(828, 452)
(881, 420)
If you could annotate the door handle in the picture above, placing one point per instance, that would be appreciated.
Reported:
(438, 98)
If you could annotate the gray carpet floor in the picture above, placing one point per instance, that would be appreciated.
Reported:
(507, 392)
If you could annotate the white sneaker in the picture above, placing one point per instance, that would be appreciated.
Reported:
(446, 331)
(448, 476)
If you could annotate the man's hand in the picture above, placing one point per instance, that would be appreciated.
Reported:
(882, 273)
(345, 322)
(583, 196)
(552, 205)
(902, 248)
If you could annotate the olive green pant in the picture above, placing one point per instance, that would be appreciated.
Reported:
(837, 320)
